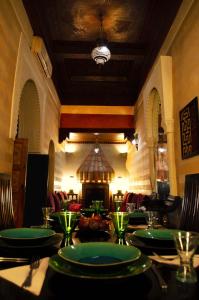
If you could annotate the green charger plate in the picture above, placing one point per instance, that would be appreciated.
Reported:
(26, 235)
(87, 212)
(156, 234)
(137, 267)
(99, 254)
(137, 214)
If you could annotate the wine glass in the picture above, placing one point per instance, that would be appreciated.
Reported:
(186, 243)
(97, 205)
(46, 211)
(67, 221)
(151, 219)
(117, 205)
(130, 207)
(120, 222)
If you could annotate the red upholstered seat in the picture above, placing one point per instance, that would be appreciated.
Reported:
(57, 202)
(74, 207)
(51, 201)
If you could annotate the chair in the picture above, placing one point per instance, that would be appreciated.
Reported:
(57, 202)
(172, 210)
(6, 205)
(51, 201)
(189, 218)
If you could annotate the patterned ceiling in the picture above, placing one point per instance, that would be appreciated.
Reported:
(134, 29)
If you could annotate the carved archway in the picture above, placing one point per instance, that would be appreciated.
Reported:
(27, 140)
(153, 106)
(29, 116)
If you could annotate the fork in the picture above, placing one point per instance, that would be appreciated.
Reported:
(35, 262)
(161, 280)
(165, 258)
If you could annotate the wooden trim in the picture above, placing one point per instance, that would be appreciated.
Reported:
(97, 121)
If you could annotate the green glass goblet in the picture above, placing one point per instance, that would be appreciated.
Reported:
(120, 222)
(67, 221)
(117, 205)
(97, 205)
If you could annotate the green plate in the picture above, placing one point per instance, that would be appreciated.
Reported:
(156, 234)
(137, 214)
(61, 266)
(26, 234)
(87, 212)
(99, 254)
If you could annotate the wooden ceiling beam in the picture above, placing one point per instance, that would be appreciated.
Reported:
(94, 123)
(72, 47)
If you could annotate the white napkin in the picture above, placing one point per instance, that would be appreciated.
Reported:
(175, 261)
(17, 275)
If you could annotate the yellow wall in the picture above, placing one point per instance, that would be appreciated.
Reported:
(9, 41)
(138, 160)
(181, 51)
(18, 65)
(185, 53)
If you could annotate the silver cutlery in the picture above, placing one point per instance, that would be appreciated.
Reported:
(35, 262)
(167, 258)
(159, 277)
(13, 259)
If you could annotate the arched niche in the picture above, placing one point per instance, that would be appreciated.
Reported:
(159, 85)
(153, 110)
(29, 116)
(27, 139)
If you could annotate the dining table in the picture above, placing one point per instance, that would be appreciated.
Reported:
(158, 281)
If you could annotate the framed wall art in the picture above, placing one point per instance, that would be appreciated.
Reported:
(189, 129)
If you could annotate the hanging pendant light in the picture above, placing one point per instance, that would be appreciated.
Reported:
(101, 54)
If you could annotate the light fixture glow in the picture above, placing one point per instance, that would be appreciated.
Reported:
(101, 54)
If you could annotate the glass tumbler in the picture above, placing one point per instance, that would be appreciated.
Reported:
(186, 243)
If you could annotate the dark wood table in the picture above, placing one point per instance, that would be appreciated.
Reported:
(143, 286)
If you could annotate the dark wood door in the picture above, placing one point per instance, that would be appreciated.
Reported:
(95, 191)
(36, 188)
(20, 155)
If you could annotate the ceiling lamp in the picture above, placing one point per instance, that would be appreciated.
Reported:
(101, 54)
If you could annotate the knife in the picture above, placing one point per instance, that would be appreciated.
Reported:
(161, 280)
(13, 259)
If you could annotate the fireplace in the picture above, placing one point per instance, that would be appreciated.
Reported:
(95, 191)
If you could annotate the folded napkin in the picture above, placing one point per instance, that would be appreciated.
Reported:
(166, 259)
(17, 275)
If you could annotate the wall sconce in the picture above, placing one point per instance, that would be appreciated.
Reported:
(135, 140)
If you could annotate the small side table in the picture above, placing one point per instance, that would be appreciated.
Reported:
(117, 197)
(72, 196)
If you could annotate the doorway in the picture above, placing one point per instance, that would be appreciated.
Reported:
(27, 139)
(95, 191)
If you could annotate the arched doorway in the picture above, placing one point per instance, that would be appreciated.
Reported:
(27, 140)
